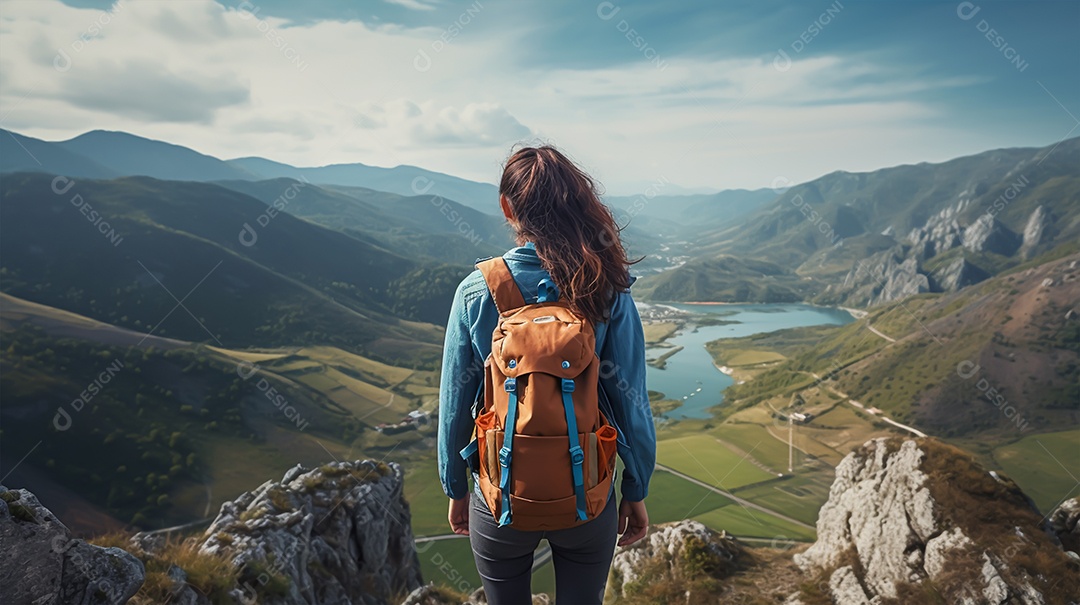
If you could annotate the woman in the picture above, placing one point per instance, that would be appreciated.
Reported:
(566, 234)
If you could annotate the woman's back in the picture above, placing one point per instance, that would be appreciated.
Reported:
(568, 237)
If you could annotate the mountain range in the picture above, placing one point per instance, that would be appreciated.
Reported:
(863, 239)
(105, 154)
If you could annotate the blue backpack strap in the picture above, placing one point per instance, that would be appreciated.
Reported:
(506, 450)
(577, 456)
(547, 291)
(469, 450)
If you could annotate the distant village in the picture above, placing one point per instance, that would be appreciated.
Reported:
(412, 421)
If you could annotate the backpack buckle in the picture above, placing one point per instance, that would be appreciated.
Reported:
(510, 385)
(577, 456)
(567, 385)
(504, 456)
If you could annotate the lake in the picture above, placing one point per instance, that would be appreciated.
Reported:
(690, 374)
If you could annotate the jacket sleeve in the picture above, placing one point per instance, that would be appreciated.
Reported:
(458, 383)
(622, 376)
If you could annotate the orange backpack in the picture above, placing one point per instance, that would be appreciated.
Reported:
(544, 451)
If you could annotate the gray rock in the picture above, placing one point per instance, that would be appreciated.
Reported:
(879, 505)
(1064, 524)
(1035, 231)
(883, 277)
(938, 549)
(336, 535)
(44, 565)
(881, 511)
(960, 273)
(940, 233)
(987, 234)
(845, 587)
(182, 593)
(665, 543)
(996, 590)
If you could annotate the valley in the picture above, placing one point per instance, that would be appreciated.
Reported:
(261, 316)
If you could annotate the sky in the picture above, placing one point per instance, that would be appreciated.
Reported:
(672, 96)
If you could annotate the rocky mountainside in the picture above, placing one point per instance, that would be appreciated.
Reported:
(862, 239)
(44, 565)
(338, 534)
(907, 522)
(943, 255)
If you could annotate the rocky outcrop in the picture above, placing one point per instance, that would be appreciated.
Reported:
(960, 273)
(674, 551)
(987, 234)
(1064, 523)
(335, 535)
(883, 277)
(1035, 231)
(941, 232)
(430, 594)
(907, 518)
(42, 564)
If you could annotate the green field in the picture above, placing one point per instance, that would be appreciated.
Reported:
(426, 499)
(449, 563)
(705, 459)
(745, 522)
(799, 497)
(673, 498)
(1044, 466)
(748, 357)
(754, 438)
(656, 332)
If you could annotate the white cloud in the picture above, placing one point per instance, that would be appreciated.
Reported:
(474, 125)
(237, 82)
(416, 5)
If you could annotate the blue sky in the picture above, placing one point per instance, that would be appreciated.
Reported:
(694, 94)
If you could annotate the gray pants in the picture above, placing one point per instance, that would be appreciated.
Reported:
(581, 555)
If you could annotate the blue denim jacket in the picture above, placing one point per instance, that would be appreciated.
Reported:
(620, 345)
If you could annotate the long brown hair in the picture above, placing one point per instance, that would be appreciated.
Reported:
(556, 206)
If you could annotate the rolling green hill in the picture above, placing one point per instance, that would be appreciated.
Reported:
(426, 227)
(101, 248)
(724, 279)
(177, 427)
(401, 180)
(107, 154)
